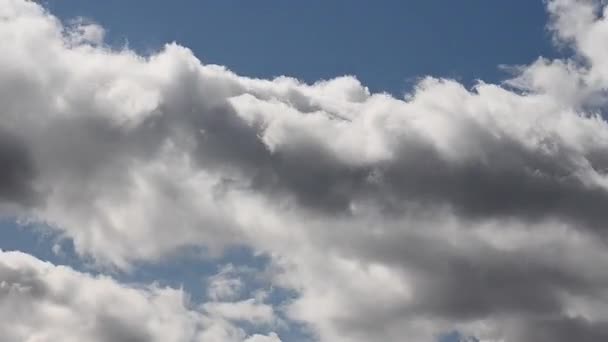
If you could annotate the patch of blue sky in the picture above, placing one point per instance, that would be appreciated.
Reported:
(387, 44)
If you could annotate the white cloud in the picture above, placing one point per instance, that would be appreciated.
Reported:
(43, 302)
(476, 209)
(263, 338)
(83, 31)
(249, 310)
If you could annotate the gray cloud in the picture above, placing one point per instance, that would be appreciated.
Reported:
(17, 173)
(563, 330)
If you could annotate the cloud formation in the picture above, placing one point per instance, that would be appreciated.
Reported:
(481, 210)
(43, 302)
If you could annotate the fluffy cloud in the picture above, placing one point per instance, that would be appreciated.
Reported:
(481, 209)
(43, 302)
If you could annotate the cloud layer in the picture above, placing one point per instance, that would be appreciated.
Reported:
(481, 210)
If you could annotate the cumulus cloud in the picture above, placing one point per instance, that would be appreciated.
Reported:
(481, 210)
(43, 302)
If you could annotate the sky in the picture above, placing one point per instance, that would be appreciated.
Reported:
(388, 46)
(265, 171)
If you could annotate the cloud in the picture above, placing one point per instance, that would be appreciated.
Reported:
(226, 285)
(263, 338)
(247, 310)
(18, 172)
(44, 302)
(480, 209)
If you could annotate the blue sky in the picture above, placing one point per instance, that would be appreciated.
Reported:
(387, 45)
(300, 203)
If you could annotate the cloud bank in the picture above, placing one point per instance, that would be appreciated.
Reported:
(481, 210)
